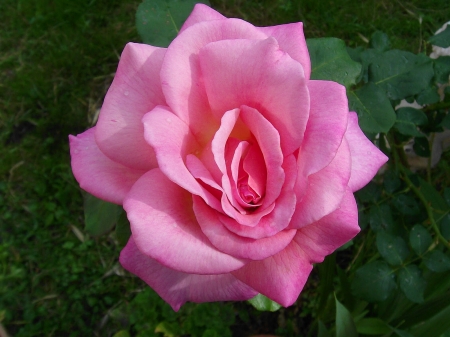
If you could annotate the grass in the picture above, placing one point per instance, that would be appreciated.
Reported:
(56, 62)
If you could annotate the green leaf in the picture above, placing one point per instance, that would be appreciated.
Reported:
(391, 181)
(373, 107)
(445, 226)
(401, 74)
(122, 333)
(380, 218)
(345, 326)
(447, 194)
(442, 39)
(408, 119)
(99, 216)
(435, 326)
(374, 282)
(442, 69)
(323, 332)
(372, 326)
(262, 303)
(330, 61)
(158, 21)
(446, 122)
(420, 239)
(437, 261)
(412, 283)
(428, 96)
(421, 146)
(392, 248)
(380, 41)
(402, 333)
(123, 231)
(406, 204)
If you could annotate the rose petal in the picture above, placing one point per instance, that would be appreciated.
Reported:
(136, 90)
(181, 76)
(235, 245)
(259, 75)
(291, 39)
(164, 228)
(366, 157)
(172, 141)
(96, 173)
(176, 288)
(326, 126)
(201, 13)
(324, 190)
(283, 276)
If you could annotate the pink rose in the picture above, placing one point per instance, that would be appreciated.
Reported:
(236, 170)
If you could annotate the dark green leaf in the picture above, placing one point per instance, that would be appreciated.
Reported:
(421, 146)
(446, 121)
(447, 196)
(262, 303)
(323, 332)
(369, 193)
(99, 216)
(380, 41)
(372, 326)
(406, 204)
(392, 248)
(401, 74)
(408, 119)
(437, 261)
(442, 69)
(391, 181)
(373, 107)
(445, 226)
(345, 326)
(435, 326)
(374, 282)
(420, 239)
(402, 333)
(432, 195)
(123, 231)
(412, 283)
(380, 218)
(442, 39)
(158, 21)
(428, 96)
(330, 61)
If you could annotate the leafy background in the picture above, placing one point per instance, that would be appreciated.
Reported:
(57, 59)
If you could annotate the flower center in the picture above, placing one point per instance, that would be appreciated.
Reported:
(247, 193)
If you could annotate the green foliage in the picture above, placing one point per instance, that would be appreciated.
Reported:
(99, 216)
(159, 21)
(442, 39)
(262, 303)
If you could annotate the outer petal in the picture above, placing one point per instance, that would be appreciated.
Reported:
(291, 39)
(172, 141)
(366, 157)
(259, 75)
(332, 231)
(176, 288)
(201, 13)
(136, 90)
(181, 75)
(96, 173)
(326, 125)
(164, 228)
(324, 190)
(282, 276)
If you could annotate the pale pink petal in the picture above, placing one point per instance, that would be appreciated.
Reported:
(268, 140)
(199, 171)
(96, 173)
(172, 141)
(275, 218)
(201, 13)
(245, 218)
(176, 288)
(324, 190)
(331, 232)
(136, 90)
(282, 276)
(366, 157)
(326, 126)
(164, 227)
(181, 76)
(259, 75)
(291, 39)
(235, 245)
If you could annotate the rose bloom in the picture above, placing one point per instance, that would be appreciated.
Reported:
(236, 170)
